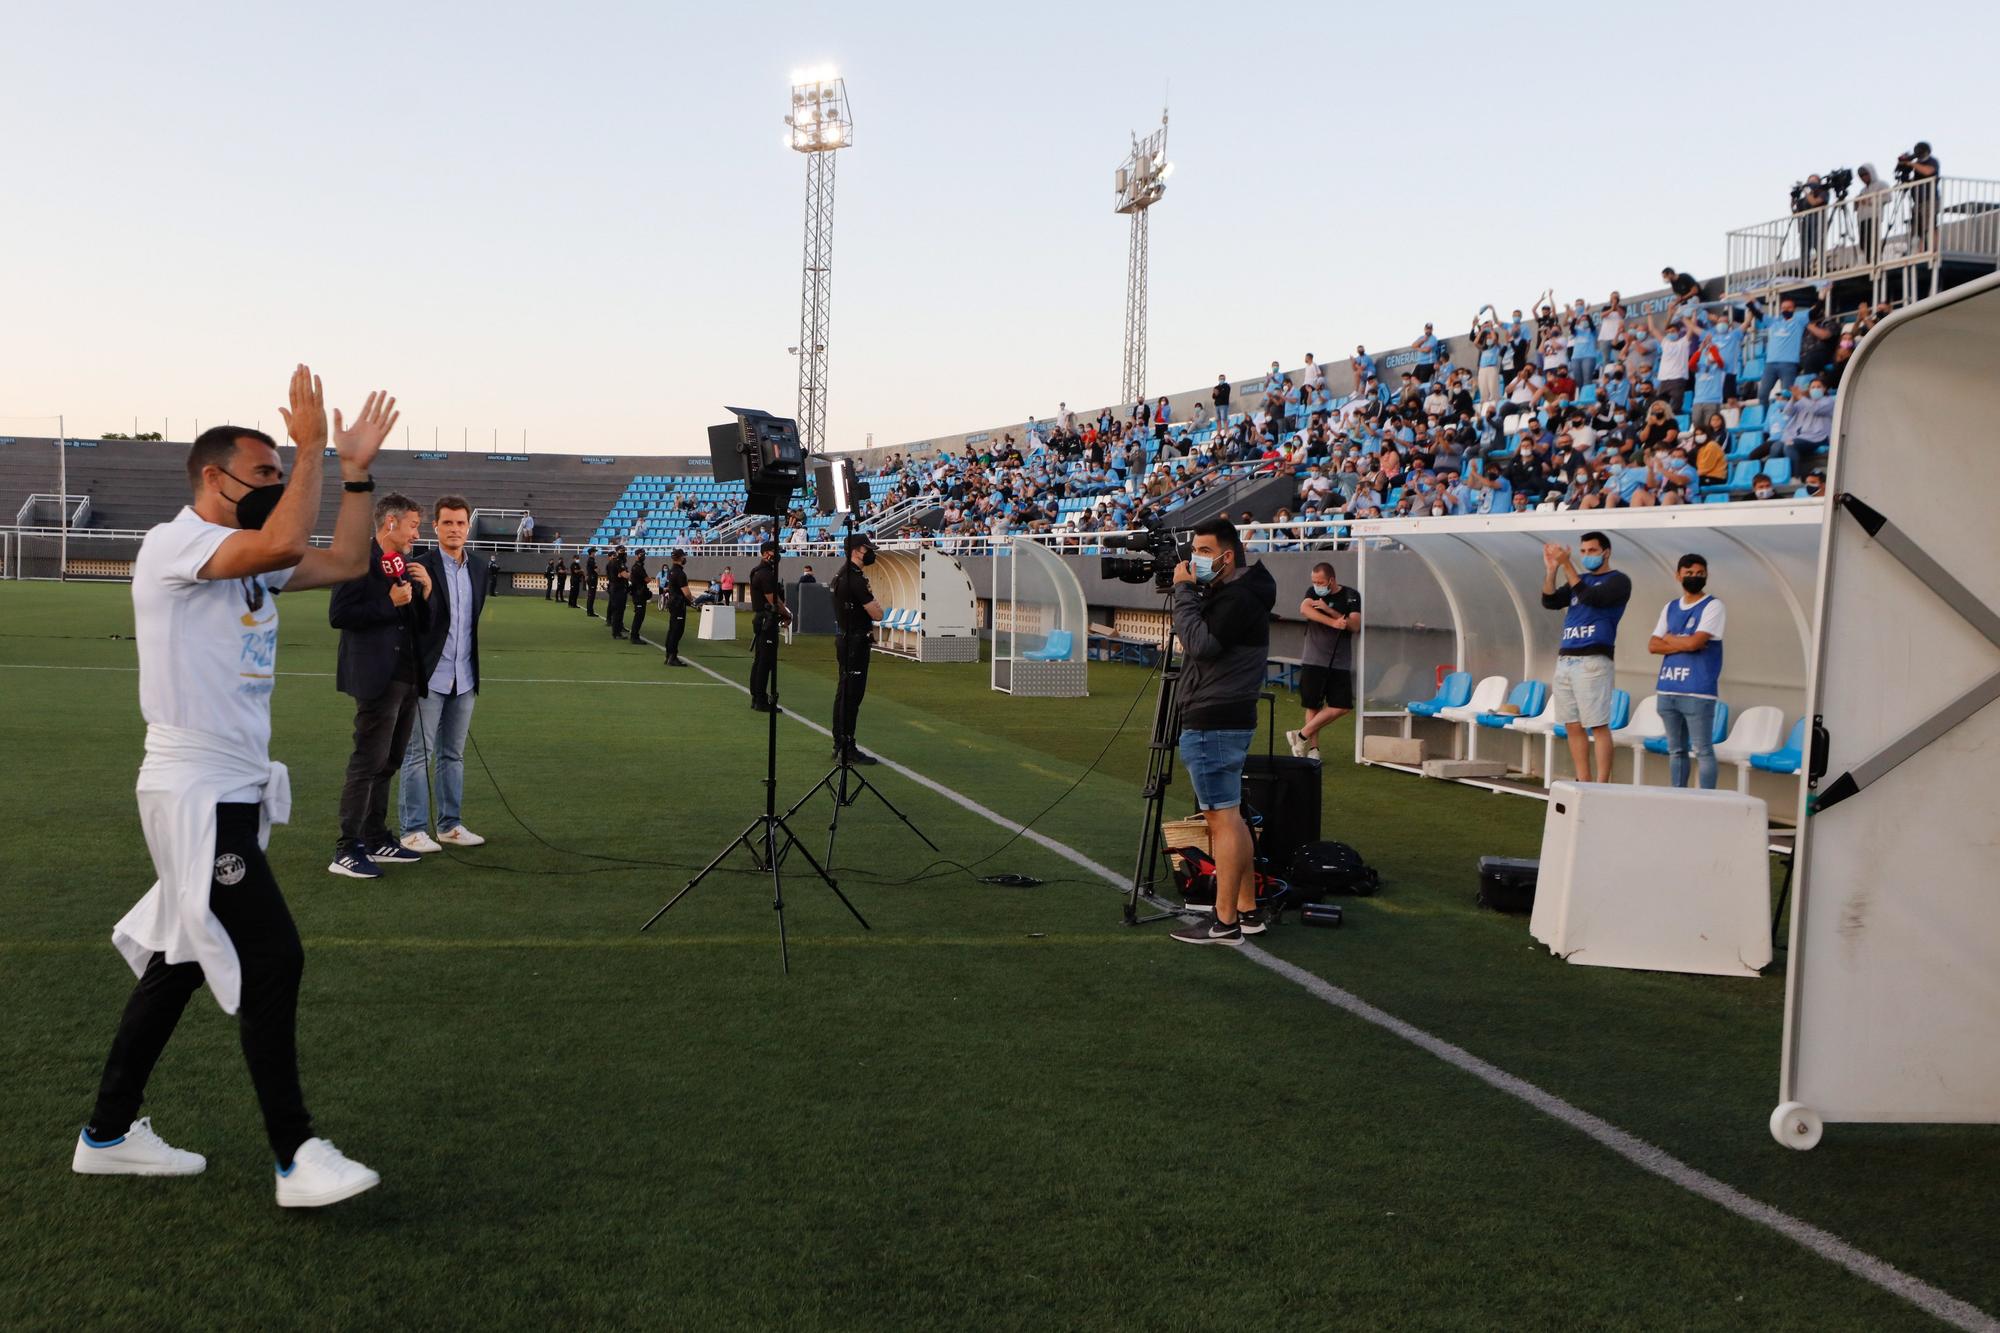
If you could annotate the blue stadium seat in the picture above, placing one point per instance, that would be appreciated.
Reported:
(1455, 692)
(1788, 757)
(1530, 697)
(1057, 649)
(1745, 439)
(1779, 470)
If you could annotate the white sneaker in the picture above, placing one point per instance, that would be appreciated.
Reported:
(136, 1152)
(420, 841)
(1313, 754)
(458, 835)
(1297, 740)
(321, 1174)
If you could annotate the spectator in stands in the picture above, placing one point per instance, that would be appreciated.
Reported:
(1582, 344)
(1809, 426)
(1815, 486)
(1810, 205)
(1593, 602)
(1688, 641)
(1163, 415)
(1364, 366)
(1761, 488)
(1784, 333)
(1426, 348)
(1711, 458)
(1676, 354)
(525, 533)
(1489, 366)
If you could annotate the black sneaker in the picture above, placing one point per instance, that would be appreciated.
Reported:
(1209, 932)
(1253, 922)
(350, 860)
(861, 757)
(675, 662)
(760, 706)
(390, 852)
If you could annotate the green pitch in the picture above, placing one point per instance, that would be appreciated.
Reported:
(997, 1109)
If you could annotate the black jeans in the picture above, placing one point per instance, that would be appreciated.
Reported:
(381, 734)
(764, 657)
(590, 595)
(267, 946)
(615, 613)
(638, 615)
(853, 652)
(677, 623)
(575, 589)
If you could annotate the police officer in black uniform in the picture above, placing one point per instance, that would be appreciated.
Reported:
(768, 611)
(575, 580)
(637, 577)
(615, 590)
(855, 612)
(549, 579)
(590, 584)
(674, 589)
(562, 572)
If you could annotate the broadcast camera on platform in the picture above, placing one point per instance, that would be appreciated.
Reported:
(1837, 182)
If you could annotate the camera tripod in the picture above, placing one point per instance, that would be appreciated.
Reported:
(843, 773)
(1160, 750)
(768, 837)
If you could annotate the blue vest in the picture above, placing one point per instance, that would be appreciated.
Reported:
(1690, 673)
(1594, 628)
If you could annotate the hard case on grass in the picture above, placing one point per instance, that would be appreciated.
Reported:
(1507, 883)
(1284, 793)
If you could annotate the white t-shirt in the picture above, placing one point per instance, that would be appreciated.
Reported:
(208, 648)
(1674, 358)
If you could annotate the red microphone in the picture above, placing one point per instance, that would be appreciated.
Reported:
(393, 566)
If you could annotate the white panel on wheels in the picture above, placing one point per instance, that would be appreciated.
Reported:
(1893, 1004)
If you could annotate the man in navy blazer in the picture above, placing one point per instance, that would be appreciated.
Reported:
(448, 661)
(381, 620)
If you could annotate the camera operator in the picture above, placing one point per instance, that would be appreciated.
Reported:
(1222, 617)
(855, 612)
(767, 600)
(1807, 199)
(674, 592)
(1868, 207)
(1914, 167)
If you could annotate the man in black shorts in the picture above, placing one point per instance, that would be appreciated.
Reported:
(1326, 678)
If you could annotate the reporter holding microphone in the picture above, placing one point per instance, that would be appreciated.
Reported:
(382, 616)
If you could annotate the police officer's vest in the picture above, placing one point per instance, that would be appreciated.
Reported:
(850, 615)
(1690, 673)
(1590, 627)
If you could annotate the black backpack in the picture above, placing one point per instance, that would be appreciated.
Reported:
(1320, 869)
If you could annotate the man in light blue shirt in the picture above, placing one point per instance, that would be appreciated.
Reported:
(449, 655)
(1784, 334)
(1426, 348)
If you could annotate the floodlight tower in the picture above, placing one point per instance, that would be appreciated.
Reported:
(819, 125)
(1140, 181)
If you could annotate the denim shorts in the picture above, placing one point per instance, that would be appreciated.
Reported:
(1582, 692)
(1214, 761)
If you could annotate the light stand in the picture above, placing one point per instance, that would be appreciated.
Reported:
(837, 780)
(761, 837)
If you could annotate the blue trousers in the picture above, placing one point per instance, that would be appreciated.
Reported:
(1690, 724)
(442, 723)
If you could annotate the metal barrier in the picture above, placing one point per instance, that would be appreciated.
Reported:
(1916, 226)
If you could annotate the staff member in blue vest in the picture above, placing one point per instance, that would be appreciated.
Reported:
(1592, 605)
(1688, 638)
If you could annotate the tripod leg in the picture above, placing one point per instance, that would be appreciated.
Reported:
(820, 870)
(907, 823)
(742, 840)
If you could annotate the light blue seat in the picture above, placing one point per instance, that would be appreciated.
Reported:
(1788, 757)
(1455, 692)
(1621, 712)
(1530, 696)
(1658, 744)
(1752, 415)
(1057, 649)
(1779, 470)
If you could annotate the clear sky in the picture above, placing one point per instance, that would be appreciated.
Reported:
(579, 220)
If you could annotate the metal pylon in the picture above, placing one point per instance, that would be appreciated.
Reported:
(1135, 311)
(816, 301)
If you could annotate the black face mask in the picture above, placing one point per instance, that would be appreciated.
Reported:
(254, 506)
(867, 555)
(1694, 583)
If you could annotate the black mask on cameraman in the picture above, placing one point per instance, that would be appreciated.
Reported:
(1694, 583)
(254, 506)
(867, 555)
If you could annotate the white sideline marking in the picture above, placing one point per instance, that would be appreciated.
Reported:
(328, 675)
(1931, 1300)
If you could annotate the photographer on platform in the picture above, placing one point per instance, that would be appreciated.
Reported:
(768, 612)
(855, 612)
(382, 616)
(1222, 617)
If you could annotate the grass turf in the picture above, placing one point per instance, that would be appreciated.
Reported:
(998, 1108)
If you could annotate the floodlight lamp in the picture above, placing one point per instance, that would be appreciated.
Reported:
(829, 133)
(1166, 171)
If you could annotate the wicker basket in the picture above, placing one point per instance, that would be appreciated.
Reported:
(1184, 833)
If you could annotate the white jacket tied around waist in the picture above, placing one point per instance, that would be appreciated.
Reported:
(184, 775)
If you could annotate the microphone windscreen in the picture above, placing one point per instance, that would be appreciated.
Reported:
(393, 566)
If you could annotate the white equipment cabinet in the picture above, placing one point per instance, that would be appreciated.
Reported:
(718, 622)
(1662, 879)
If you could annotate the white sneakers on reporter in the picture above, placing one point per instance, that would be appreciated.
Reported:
(136, 1152)
(458, 835)
(321, 1174)
(420, 841)
(1297, 740)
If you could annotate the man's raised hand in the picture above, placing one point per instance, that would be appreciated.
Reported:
(305, 420)
(359, 444)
